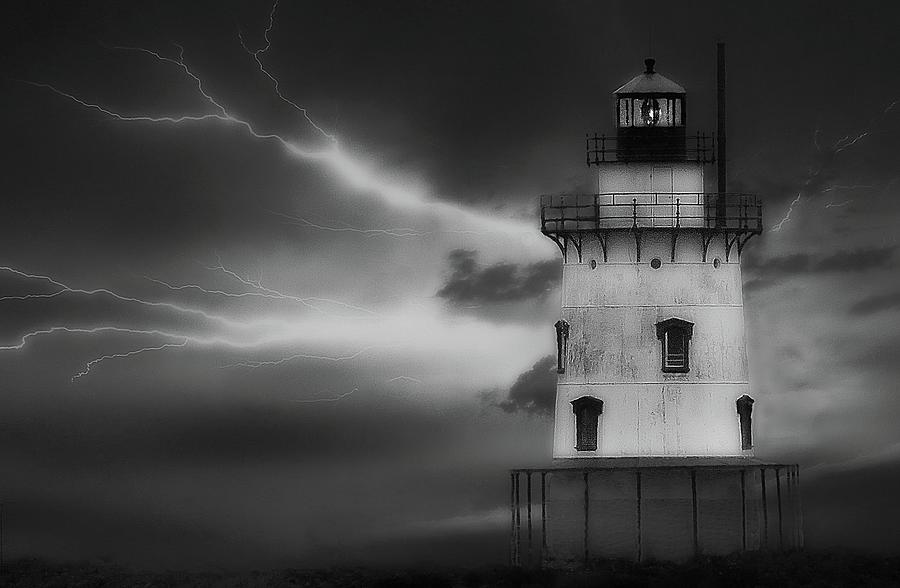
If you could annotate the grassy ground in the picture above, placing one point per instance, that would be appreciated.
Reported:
(751, 570)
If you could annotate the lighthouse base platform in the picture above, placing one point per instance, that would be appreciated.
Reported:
(651, 509)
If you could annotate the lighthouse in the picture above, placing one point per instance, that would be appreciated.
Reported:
(653, 425)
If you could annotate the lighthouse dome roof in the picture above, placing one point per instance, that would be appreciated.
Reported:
(650, 82)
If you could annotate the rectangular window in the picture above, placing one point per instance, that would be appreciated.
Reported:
(676, 349)
(675, 335)
(664, 120)
(586, 426)
(587, 415)
(624, 113)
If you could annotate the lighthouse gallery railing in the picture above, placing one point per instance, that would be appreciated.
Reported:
(731, 212)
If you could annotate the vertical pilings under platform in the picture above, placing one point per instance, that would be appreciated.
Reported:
(673, 511)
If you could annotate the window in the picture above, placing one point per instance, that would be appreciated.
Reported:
(562, 345)
(675, 335)
(587, 411)
(624, 112)
(745, 410)
(646, 111)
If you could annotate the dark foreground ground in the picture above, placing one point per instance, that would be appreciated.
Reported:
(755, 569)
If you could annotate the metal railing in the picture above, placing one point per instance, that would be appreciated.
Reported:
(732, 212)
(600, 149)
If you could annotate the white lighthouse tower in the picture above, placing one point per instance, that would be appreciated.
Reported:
(655, 359)
(653, 433)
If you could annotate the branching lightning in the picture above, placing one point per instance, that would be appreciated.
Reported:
(830, 153)
(346, 167)
(24, 339)
(93, 362)
(66, 289)
(833, 204)
(399, 232)
(257, 57)
(289, 358)
(271, 293)
(260, 291)
(239, 339)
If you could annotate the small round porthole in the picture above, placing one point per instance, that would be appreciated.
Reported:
(656, 263)
(717, 262)
(593, 264)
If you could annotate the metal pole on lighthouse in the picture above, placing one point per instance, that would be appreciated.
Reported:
(721, 161)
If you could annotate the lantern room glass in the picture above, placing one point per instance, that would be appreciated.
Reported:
(667, 111)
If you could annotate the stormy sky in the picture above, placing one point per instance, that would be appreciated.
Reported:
(273, 290)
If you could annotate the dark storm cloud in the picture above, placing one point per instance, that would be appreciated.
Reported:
(835, 502)
(229, 483)
(874, 304)
(762, 273)
(858, 260)
(222, 433)
(472, 284)
(535, 390)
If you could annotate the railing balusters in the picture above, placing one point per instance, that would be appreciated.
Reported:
(571, 213)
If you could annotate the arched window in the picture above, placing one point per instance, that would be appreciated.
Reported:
(675, 336)
(587, 411)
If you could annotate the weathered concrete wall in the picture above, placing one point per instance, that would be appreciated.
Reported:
(655, 188)
(639, 177)
(720, 515)
(620, 344)
(614, 354)
(667, 513)
(662, 513)
(654, 420)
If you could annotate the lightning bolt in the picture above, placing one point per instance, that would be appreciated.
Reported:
(219, 340)
(349, 169)
(221, 114)
(790, 210)
(269, 292)
(253, 364)
(66, 289)
(260, 291)
(334, 399)
(62, 288)
(83, 331)
(346, 167)
(851, 187)
(346, 394)
(406, 379)
(400, 232)
(833, 204)
(842, 144)
(93, 362)
(403, 232)
(256, 55)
